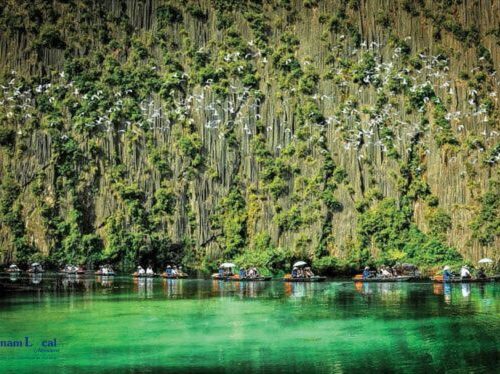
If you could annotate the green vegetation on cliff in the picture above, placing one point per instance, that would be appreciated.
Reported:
(340, 132)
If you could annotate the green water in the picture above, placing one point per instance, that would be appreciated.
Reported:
(205, 326)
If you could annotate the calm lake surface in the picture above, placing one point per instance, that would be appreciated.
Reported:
(153, 325)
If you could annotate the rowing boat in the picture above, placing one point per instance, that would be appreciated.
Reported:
(108, 274)
(439, 279)
(174, 276)
(236, 278)
(72, 272)
(32, 271)
(315, 278)
(359, 278)
(137, 275)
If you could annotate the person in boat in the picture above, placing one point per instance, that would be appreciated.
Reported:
(367, 273)
(447, 274)
(385, 273)
(252, 273)
(175, 271)
(308, 272)
(168, 270)
(243, 273)
(481, 274)
(140, 270)
(394, 271)
(37, 268)
(149, 271)
(221, 272)
(179, 270)
(465, 273)
(295, 272)
(255, 272)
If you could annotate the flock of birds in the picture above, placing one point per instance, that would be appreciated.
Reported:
(346, 121)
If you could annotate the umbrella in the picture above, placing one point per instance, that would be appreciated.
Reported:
(35, 264)
(300, 263)
(486, 261)
(13, 266)
(227, 265)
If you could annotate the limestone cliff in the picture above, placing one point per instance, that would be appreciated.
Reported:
(146, 130)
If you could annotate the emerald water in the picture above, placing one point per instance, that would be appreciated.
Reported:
(152, 325)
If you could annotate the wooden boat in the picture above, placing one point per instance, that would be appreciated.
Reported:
(137, 275)
(172, 276)
(36, 271)
(108, 274)
(256, 279)
(13, 269)
(315, 278)
(236, 278)
(35, 268)
(68, 272)
(359, 278)
(439, 279)
(72, 272)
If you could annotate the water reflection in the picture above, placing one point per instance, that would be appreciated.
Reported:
(466, 289)
(264, 326)
(105, 280)
(172, 287)
(438, 288)
(344, 294)
(36, 278)
(447, 293)
(144, 287)
(384, 291)
(240, 289)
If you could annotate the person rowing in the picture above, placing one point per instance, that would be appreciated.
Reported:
(243, 273)
(308, 272)
(367, 273)
(149, 271)
(140, 270)
(481, 274)
(447, 274)
(465, 273)
(256, 272)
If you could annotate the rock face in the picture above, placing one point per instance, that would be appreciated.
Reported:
(144, 130)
